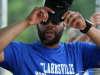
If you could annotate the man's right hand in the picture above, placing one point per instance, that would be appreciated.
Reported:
(38, 14)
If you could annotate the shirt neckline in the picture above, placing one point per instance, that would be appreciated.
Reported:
(51, 50)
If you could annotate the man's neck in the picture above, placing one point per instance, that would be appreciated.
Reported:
(50, 46)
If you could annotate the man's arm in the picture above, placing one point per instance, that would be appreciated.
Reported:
(95, 19)
(94, 34)
(9, 33)
(76, 21)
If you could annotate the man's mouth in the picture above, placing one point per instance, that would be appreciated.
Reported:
(49, 32)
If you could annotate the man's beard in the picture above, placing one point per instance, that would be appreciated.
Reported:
(49, 42)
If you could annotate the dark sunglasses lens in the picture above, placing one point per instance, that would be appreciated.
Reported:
(52, 22)
(43, 23)
(55, 23)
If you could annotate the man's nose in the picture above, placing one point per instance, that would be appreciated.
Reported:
(50, 25)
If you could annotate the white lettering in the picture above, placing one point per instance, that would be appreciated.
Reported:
(52, 68)
(62, 68)
(73, 72)
(43, 64)
(66, 70)
(48, 71)
(59, 70)
(39, 73)
(56, 69)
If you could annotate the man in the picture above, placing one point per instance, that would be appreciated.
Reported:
(49, 56)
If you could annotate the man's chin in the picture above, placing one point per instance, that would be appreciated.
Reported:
(49, 41)
(49, 37)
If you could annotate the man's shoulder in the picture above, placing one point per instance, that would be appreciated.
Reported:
(21, 45)
(70, 45)
(78, 45)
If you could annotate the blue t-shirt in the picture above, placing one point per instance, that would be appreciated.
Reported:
(36, 59)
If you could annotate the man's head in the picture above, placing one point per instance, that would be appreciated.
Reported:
(50, 32)
(59, 7)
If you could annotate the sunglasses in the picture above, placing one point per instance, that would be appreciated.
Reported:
(49, 21)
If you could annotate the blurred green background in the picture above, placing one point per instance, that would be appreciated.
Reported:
(19, 9)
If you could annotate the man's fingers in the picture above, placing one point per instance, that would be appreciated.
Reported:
(74, 24)
(64, 15)
(72, 18)
(69, 16)
(47, 16)
(45, 11)
(44, 14)
(49, 10)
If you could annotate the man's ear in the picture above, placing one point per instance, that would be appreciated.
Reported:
(64, 26)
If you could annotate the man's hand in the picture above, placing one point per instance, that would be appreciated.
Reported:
(74, 19)
(38, 14)
(95, 19)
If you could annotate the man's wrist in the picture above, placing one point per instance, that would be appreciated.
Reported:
(88, 26)
(26, 22)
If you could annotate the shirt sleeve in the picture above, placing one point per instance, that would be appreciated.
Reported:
(91, 55)
(12, 57)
